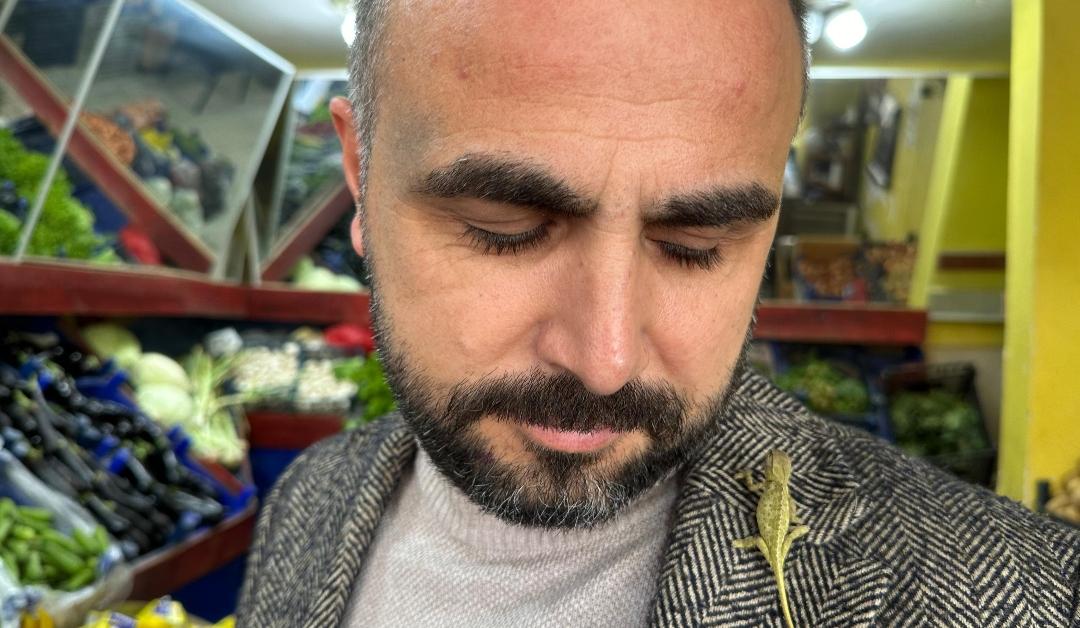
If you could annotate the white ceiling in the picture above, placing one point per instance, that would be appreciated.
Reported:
(957, 35)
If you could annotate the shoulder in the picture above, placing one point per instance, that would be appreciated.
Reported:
(944, 538)
(978, 542)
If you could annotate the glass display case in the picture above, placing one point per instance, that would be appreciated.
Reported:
(175, 106)
(308, 205)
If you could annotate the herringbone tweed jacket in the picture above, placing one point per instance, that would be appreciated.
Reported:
(893, 542)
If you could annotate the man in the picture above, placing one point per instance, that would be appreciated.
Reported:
(567, 208)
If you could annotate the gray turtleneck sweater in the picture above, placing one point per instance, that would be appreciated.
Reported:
(438, 560)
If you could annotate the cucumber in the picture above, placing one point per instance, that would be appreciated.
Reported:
(6, 524)
(63, 541)
(64, 560)
(23, 533)
(33, 523)
(34, 571)
(79, 580)
(19, 548)
(102, 539)
(36, 514)
(87, 544)
(9, 559)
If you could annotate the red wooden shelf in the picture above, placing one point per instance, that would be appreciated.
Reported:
(166, 570)
(58, 288)
(840, 323)
(277, 430)
(972, 260)
(114, 179)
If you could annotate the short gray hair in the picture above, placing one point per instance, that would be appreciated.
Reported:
(365, 59)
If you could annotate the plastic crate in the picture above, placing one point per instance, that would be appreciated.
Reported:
(850, 360)
(957, 378)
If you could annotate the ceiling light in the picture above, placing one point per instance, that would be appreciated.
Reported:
(845, 29)
(348, 27)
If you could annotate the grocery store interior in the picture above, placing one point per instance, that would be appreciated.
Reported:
(182, 311)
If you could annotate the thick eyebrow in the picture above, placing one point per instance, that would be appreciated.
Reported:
(718, 207)
(504, 180)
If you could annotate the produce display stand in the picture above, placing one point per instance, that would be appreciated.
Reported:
(314, 223)
(171, 568)
(221, 177)
(279, 430)
(42, 288)
(110, 176)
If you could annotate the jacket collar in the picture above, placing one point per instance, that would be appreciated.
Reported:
(703, 578)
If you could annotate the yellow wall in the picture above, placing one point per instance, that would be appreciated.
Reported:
(1041, 411)
(975, 219)
(896, 212)
(966, 196)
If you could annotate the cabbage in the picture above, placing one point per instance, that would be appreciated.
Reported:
(155, 368)
(308, 276)
(165, 403)
(113, 342)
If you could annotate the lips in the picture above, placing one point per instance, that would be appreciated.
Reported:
(570, 442)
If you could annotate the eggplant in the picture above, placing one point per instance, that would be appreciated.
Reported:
(210, 511)
(114, 523)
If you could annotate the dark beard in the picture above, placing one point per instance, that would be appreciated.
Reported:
(556, 489)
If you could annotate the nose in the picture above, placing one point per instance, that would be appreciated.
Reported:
(597, 329)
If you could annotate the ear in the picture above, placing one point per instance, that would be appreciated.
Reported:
(345, 124)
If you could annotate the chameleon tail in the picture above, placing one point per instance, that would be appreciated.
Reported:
(783, 598)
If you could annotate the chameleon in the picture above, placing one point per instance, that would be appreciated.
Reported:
(776, 513)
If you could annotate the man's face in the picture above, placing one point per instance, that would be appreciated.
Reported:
(568, 213)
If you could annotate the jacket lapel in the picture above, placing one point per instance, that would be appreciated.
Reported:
(354, 531)
(707, 581)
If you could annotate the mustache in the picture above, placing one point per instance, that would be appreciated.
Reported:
(562, 402)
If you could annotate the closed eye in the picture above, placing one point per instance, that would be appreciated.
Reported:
(494, 243)
(689, 257)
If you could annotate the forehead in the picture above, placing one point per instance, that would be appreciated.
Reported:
(718, 77)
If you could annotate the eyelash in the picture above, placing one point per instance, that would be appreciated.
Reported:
(691, 258)
(491, 243)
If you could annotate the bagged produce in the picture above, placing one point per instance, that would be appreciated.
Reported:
(54, 558)
(162, 613)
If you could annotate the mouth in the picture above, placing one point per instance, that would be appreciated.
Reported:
(571, 442)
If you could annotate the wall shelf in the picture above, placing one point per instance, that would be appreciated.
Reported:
(110, 176)
(42, 288)
(58, 288)
(840, 323)
(277, 430)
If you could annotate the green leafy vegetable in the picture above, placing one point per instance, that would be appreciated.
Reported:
(211, 425)
(826, 388)
(372, 390)
(165, 403)
(936, 423)
(66, 226)
(114, 342)
(155, 368)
